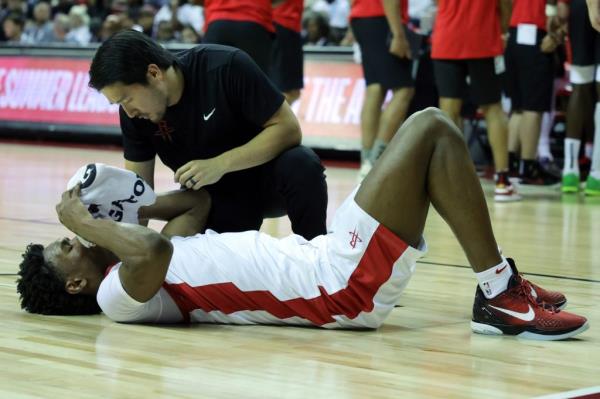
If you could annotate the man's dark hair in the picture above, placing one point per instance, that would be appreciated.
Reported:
(42, 289)
(124, 58)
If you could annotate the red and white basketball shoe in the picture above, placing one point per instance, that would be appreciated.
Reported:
(517, 312)
(505, 191)
(542, 296)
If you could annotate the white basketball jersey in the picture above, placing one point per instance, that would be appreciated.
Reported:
(350, 278)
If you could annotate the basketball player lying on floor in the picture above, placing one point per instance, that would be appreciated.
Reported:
(350, 278)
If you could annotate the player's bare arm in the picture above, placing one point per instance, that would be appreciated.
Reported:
(145, 253)
(186, 212)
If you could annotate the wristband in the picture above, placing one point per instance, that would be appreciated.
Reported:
(551, 10)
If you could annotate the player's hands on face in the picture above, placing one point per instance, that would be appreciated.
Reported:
(200, 172)
(399, 47)
(70, 209)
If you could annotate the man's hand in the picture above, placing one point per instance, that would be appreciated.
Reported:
(70, 209)
(548, 44)
(399, 47)
(200, 172)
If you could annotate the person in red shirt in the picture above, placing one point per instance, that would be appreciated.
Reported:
(378, 26)
(529, 83)
(245, 24)
(467, 51)
(287, 59)
(582, 116)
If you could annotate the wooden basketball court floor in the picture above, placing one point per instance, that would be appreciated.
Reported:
(424, 350)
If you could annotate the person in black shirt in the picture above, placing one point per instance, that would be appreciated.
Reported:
(216, 120)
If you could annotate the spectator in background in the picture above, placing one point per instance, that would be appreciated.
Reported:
(146, 19)
(529, 83)
(13, 26)
(337, 13)
(79, 21)
(179, 13)
(245, 24)
(40, 30)
(165, 32)
(316, 30)
(467, 47)
(287, 64)
(378, 27)
(112, 24)
(18, 6)
(60, 27)
(189, 35)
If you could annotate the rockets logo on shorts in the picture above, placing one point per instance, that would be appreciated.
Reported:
(354, 238)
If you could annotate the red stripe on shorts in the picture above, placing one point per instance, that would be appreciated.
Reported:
(373, 270)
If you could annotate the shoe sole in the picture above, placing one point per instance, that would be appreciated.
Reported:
(506, 198)
(569, 189)
(487, 329)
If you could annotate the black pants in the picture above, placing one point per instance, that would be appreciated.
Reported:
(292, 184)
(250, 37)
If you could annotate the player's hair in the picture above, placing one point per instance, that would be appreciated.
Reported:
(42, 288)
(124, 58)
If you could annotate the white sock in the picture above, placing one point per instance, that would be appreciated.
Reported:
(595, 171)
(494, 280)
(544, 142)
(571, 156)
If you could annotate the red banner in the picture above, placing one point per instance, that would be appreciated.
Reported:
(331, 101)
(55, 90)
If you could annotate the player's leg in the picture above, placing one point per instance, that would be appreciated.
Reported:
(422, 165)
(427, 161)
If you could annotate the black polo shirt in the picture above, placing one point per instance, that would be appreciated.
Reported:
(225, 102)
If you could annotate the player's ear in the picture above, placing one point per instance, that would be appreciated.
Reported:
(154, 72)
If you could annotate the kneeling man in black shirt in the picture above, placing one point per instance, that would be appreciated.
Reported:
(218, 122)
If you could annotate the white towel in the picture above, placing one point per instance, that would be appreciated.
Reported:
(112, 193)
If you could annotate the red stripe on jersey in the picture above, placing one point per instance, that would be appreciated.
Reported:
(289, 14)
(374, 8)
(258, 11)
(373, 270)
(529, 12)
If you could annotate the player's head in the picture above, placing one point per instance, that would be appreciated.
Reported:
(60, 279)
(129, 69)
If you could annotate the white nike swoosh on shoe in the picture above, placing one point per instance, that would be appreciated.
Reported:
(207, 117)
(530, 315)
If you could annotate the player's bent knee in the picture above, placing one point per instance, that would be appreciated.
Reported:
(432, 123)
